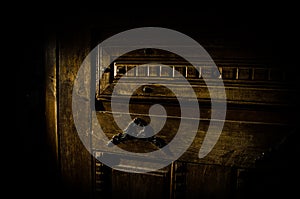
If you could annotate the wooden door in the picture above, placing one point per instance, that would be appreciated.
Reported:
(257, 120)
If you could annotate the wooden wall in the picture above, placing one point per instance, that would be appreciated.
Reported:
(252, 133)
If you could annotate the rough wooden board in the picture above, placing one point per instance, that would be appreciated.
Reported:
(237, 94)
(75, 160)
(51, 99)
(239, 145)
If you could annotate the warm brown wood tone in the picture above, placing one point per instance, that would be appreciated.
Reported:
(51, 97)
(257, 141)
(51, 112)
(75, 160)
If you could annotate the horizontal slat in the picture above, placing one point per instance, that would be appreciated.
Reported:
(234, 94)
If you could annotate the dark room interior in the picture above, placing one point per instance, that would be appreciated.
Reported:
(257, 151)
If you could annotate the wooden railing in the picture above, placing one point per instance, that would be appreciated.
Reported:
(226, 72)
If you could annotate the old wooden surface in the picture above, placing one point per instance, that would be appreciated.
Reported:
(75, 160)
(251, 127)
(51, 99)
(258, 120)
(239, 93)
(239, 144)
(257, 117)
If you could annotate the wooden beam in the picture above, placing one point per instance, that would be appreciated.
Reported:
(75, 159)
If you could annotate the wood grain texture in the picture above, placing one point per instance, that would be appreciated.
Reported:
(51, 98)
(75, 160)
(239, 145)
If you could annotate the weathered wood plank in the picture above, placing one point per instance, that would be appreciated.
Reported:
(75, 160)
(149, 185)
(209, 181)
(51, 99)
(267, 114)
(239, 145)
(239, 94)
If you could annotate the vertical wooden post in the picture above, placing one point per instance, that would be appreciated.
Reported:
(75, 160)
(51, 96)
